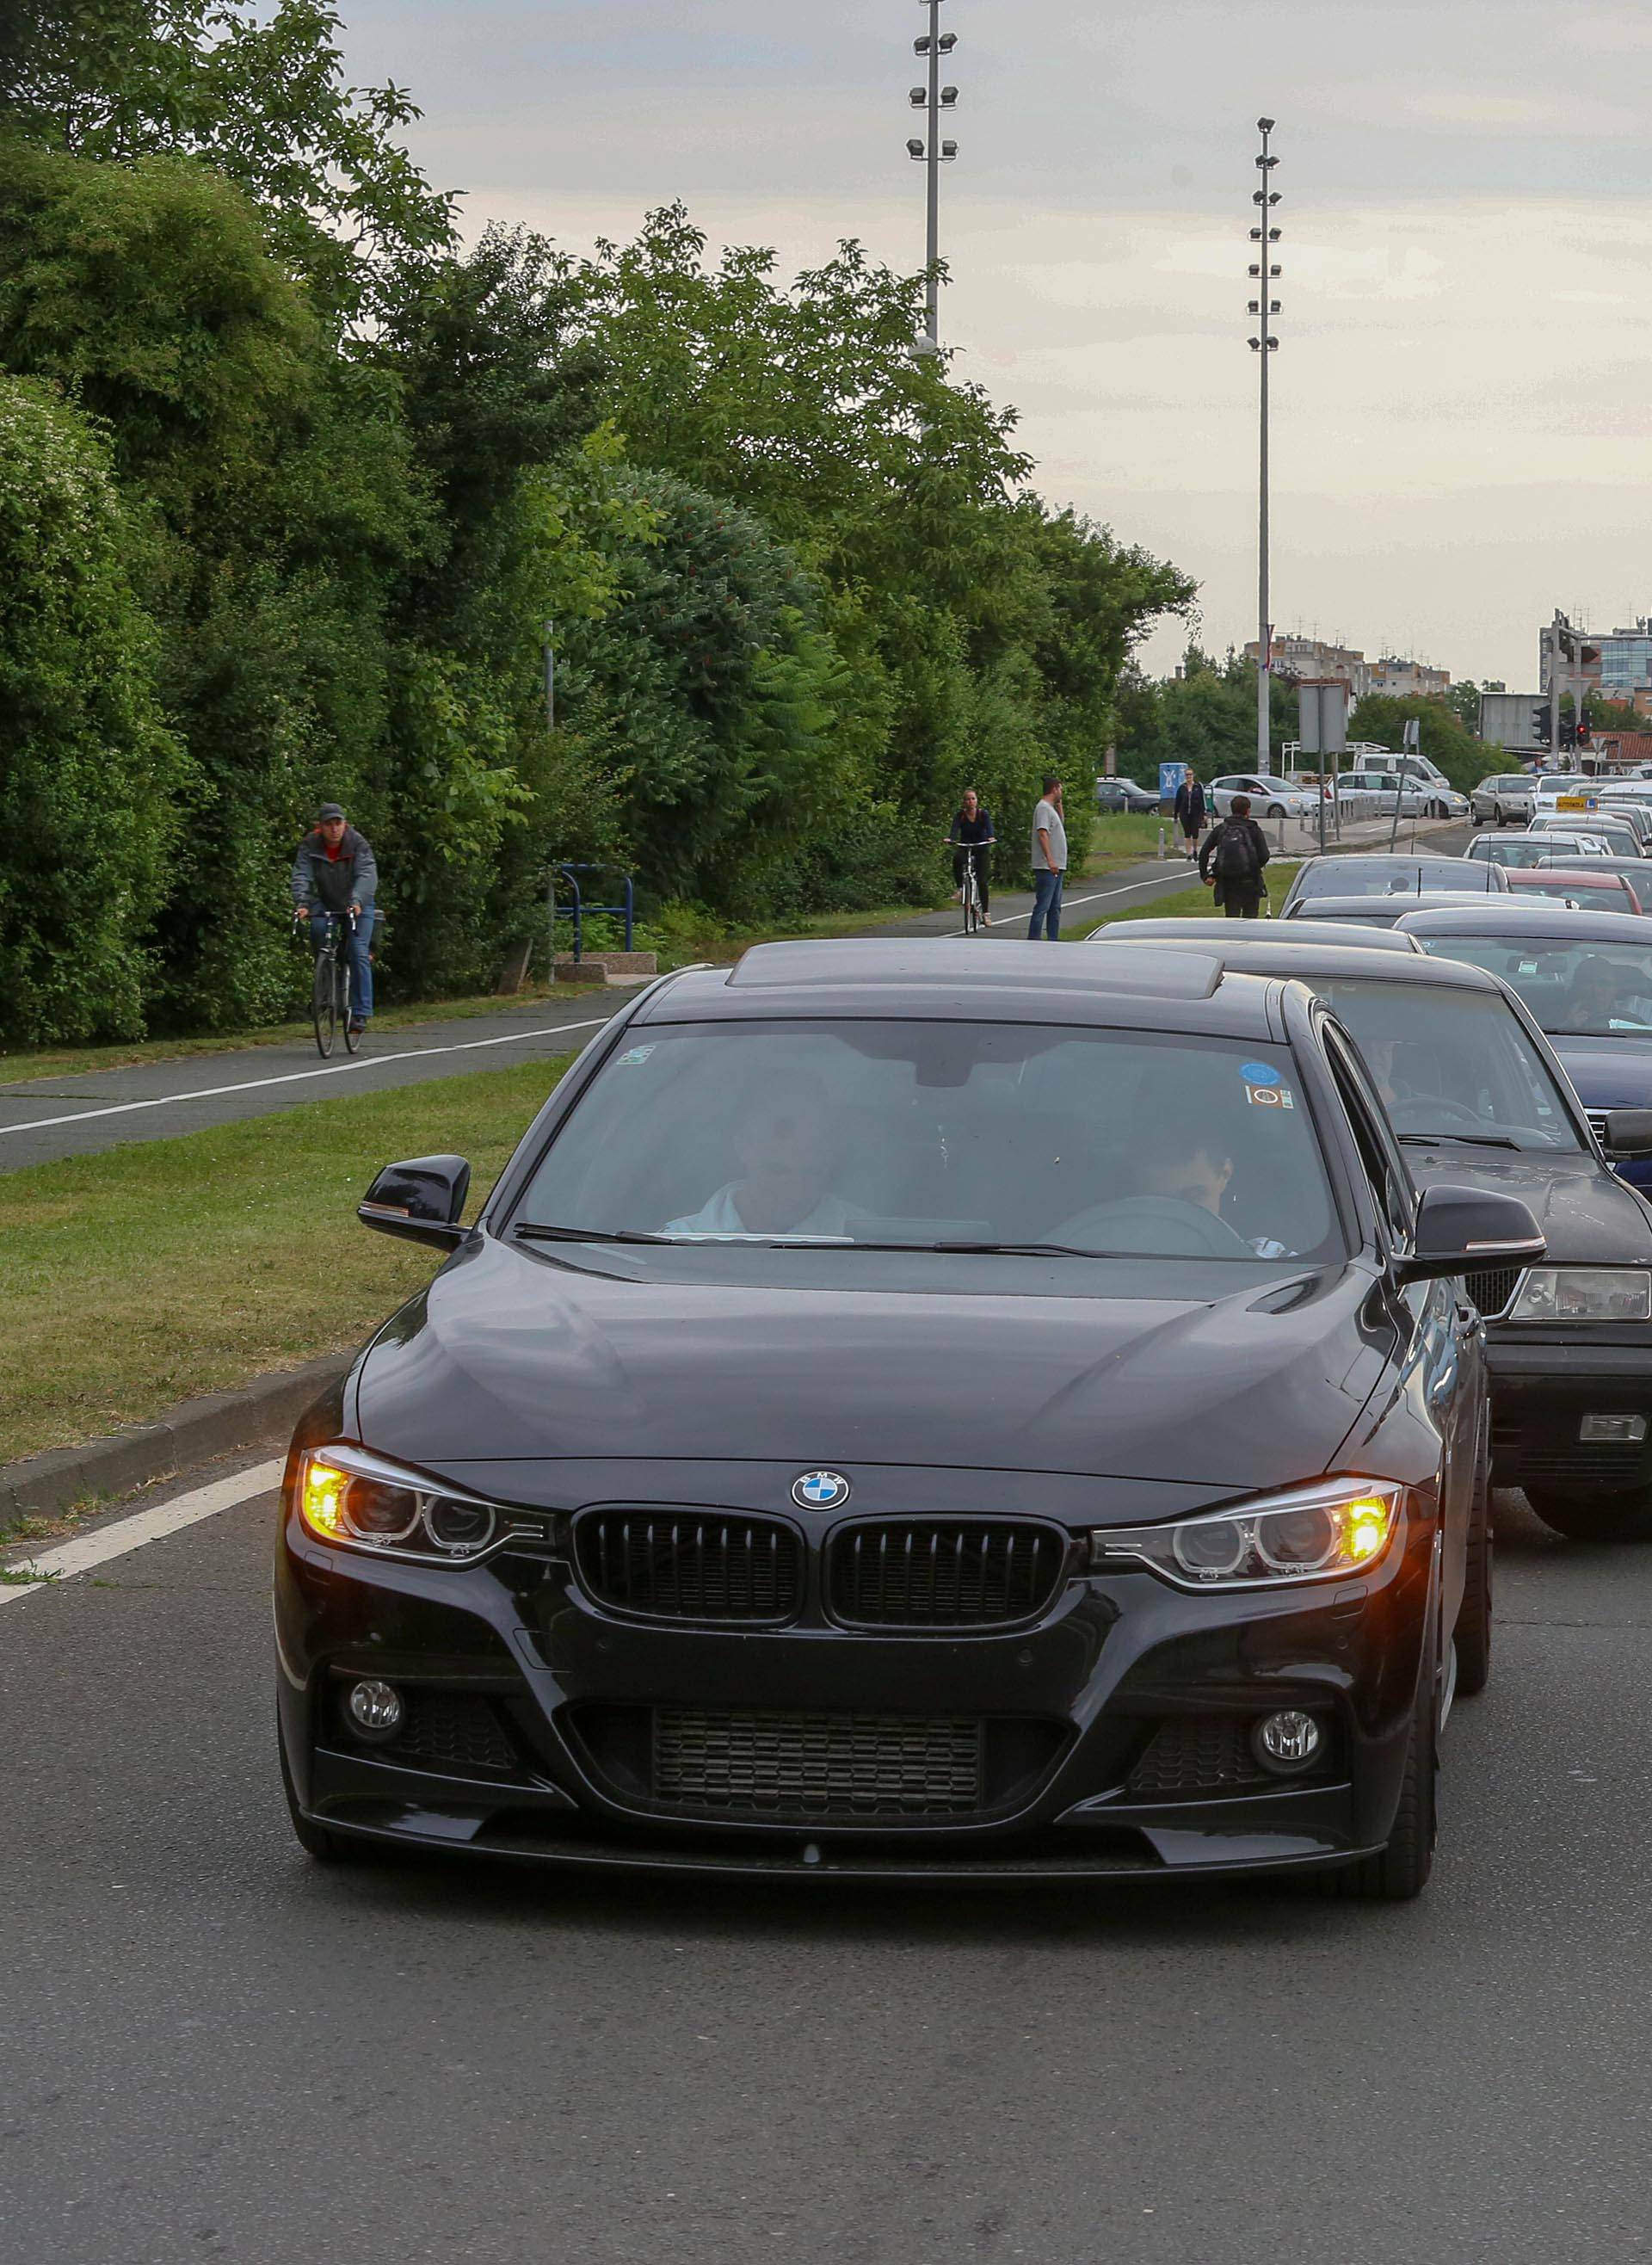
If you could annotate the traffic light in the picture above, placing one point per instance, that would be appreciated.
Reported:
(1540, 725)
(1583, 728)
(1568, 732)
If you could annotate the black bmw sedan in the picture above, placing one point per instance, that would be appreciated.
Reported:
(909, 1412)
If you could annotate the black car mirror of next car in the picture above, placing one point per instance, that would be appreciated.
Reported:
(1628, 1132)
(422, 1201)
(1459, 1230)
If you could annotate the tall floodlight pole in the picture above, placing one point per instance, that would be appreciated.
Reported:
(936, 101)
(1264, 273)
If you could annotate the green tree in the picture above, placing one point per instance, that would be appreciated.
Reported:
(91, 783)
(1444, 738)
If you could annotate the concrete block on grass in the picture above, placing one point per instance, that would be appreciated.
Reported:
(608, 967)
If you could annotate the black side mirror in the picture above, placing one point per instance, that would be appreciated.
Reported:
(1459, 1230)
(1628, 1132)
(422, 1201)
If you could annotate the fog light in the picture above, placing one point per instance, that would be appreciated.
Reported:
(1286, 1742)
(1620, 1430)
(375, 1708)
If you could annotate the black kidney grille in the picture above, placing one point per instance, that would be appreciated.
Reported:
(817, 1765)
(1493, 1287)
(690, 1565)
(975, 1574)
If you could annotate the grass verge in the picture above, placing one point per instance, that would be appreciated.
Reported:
(137, 1277)
(1185, 904)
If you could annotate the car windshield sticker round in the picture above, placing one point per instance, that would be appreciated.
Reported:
(1260, 1074)
(637, 1054)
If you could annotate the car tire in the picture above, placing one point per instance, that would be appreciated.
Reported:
(315, 1840)
(1399, 1871)
(1276, 809)
(1496, 814)
(1595, 1517)
(1474, 818)
(1473, 1636)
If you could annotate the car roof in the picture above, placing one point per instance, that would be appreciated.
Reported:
(953, 979)
(1586, 876)
(1191, 929)
(1385, 860)
(1354, 908)
(1268, 954)
(1628, 868)
(1515, 917)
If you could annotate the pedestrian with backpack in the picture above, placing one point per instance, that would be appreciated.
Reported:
(1232, 860)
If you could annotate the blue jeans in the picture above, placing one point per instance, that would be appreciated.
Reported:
(355, 947)
(1046, 904)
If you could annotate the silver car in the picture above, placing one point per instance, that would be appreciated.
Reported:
(1507, 795)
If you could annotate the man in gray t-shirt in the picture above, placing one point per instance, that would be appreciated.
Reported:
(1049, 863)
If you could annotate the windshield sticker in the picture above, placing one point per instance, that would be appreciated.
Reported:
(1270, 1097)
(637, 1054)
(1260, 1074)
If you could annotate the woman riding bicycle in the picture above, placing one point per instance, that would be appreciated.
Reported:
(971, 839)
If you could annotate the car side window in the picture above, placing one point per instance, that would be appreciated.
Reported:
(1390, 1183)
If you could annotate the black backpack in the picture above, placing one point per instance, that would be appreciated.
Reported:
(1235, 855)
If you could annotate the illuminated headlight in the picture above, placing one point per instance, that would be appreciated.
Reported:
(1585, 1293)
(357, 1501)
(1315, 1533)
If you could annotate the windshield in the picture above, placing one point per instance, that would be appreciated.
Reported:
(1583, 989)
(1528, 849)
(1381, 876)
(1453, 1064)
(939, 1136)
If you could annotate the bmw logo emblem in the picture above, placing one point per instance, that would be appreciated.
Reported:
(819, 1490)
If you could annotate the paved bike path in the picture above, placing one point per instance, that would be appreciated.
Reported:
(83, 1113)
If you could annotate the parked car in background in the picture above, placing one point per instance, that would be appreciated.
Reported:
(1476, 1095)
(1379, 873)
(1270, 797)
(1114, 794)
(1587, 978)
(1508, 797)
(1513, 850)
(1592, 891)
(1379, 911)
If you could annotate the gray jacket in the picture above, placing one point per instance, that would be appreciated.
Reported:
(335, 884)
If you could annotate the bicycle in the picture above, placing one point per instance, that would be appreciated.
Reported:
(970, 896)
(330, 986)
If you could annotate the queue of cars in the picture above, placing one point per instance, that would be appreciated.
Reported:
(913, 1411)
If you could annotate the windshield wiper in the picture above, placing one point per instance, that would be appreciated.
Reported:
(530, 1231)
(1467, 1140)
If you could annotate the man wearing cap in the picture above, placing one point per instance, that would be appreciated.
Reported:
(335, 874)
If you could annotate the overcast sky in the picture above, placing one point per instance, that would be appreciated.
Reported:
(1461, 397)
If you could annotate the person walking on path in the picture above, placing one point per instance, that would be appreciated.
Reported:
(334, 875)
(1048, 863)
(1232, 860)
(1190, 813)
(972, 837)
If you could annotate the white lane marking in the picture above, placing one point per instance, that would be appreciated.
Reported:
(297, 1077)
(88, 1550)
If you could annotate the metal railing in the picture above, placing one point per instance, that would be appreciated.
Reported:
(575, 912)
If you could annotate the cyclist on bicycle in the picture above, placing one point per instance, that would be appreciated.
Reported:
(972, 837)
(336, 877)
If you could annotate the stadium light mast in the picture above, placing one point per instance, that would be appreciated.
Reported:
(1264, 273)
(933, 152)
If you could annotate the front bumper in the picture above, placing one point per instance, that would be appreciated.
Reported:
(1542, 1387)
(1115, 1731)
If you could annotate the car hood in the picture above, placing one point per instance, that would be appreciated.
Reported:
(509, 1356)
(1587, 1214)
(1608, 1072)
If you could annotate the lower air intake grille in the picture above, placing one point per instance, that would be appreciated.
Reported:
(817, 1765)
(1203, 1753)
(919, 1575)
(1492, 1287)
(690, 1565)
(451, 1730)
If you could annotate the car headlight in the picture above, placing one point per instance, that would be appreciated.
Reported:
(1315, 1533)
(1585, 1293)
(356, 1501)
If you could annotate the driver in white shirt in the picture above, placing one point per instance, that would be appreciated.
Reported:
(785, 1150)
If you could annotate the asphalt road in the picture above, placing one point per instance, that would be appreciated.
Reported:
(210, 2048)
(83, 1114)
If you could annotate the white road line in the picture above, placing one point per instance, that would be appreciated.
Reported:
(296, 1076)
(154, 1525)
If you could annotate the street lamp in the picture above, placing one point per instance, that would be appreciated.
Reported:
(1265, 306)
(936, 102)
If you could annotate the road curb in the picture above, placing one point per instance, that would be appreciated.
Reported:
(215, 1423)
